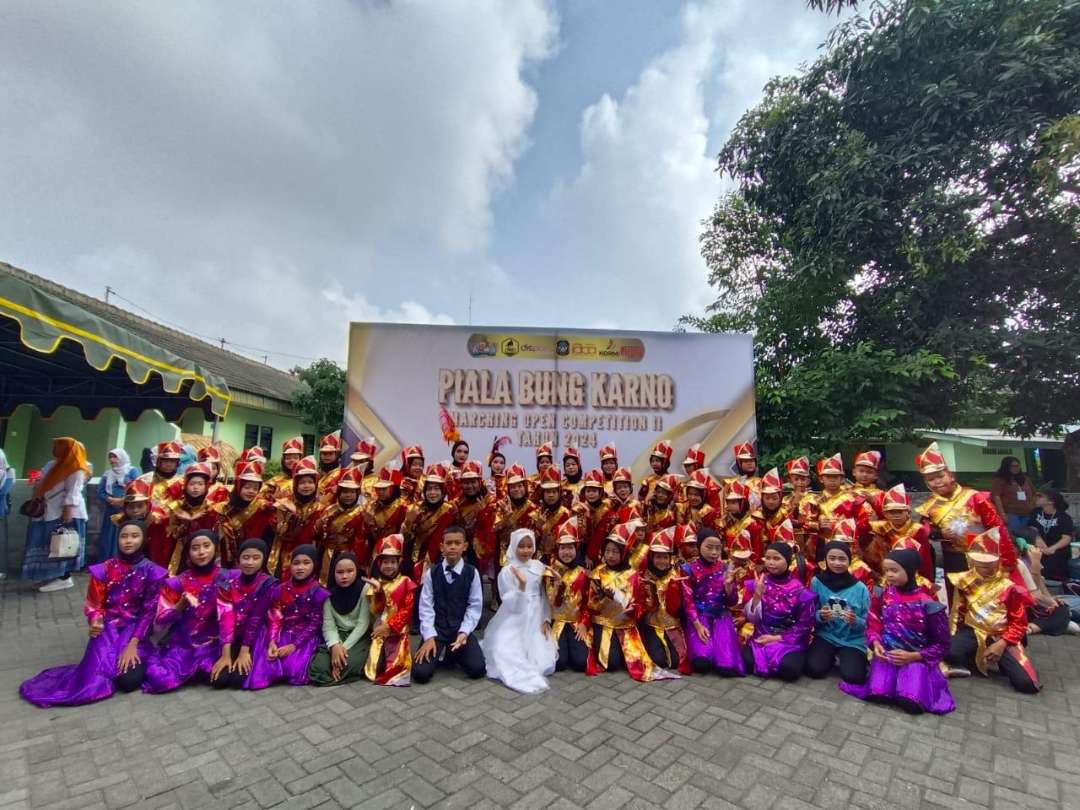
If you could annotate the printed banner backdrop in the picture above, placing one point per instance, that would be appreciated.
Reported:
(584, 388)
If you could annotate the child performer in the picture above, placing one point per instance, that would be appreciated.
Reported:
(244, 513)
(288, 640)
(121, 598)
(898, 526)
(190, 607)
(616, 602)
(908, 632)
(740, 518)
(298, 512)
(846, 532)
(518, 647)
(390, 600)
(346, 625)
(342, 525)
(451, 601)
(771, 513)
(989, 615)
(696, 509)
(708, 593)
(568, 594)
(246, 590)
(188, 515)
(840, 630)
(661, 627)
(782, 612)
(660, 462)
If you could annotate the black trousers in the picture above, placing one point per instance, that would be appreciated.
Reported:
(952, 562)
(791, 665)
(962, 651)
(469, 658)
(132, 679)
(615, 656)
(1054, 623)
(821, 655)
(227, 679)
(668, 658)
(573, 654)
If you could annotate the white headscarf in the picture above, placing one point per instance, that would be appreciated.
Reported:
(5, 470)
(533, 566)
(115, 476)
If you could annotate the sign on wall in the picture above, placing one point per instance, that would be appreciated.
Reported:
(584, 388)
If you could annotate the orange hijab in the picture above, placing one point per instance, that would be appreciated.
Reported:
(70, 455)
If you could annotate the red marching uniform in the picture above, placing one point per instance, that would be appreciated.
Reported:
(745, 452)
(662, 450)
(706, 516)
(412, 489)
(156, 519)
(871, 492)
(425, 523)
(838, 506)
(746, 522)
(656, 517)
(385, 517)
(389, 660)
(365, 455)
(280, 485)
(238, 520)
(771, 520)
(478, 513)
(549, 519)
(328, 480)
(510, 516)
(884, 537)
(186, 518)
(595, 520)
(663, 605)
(343, 528)
(543, 451)
(159, 484)
(294, 522)
(693, 462)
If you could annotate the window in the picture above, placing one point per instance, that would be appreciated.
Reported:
(309, 444)
(251, 436)
(263, 436)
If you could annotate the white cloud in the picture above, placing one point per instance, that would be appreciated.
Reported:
(358, 308)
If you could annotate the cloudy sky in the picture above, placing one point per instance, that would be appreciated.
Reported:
(267, 173)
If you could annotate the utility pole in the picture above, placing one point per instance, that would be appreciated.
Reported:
(108, 291)
(223, 344)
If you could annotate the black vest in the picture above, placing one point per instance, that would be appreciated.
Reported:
(450, 600)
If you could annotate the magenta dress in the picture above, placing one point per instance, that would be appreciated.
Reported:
(125, 596)
(248, 603)
(786, 609)
(706, 601)
(193, 643)
(294, 617)
(912, 621)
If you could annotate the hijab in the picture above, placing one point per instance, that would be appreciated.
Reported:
(70, 457)
(908, 559)
(344, 600)
(258, 545)
(117, 476)
(837, 582)
(785, 551)
(533, 566)
(203, 569)
(137, 555)
(306, 550)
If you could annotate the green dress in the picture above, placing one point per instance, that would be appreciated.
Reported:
(354, 631)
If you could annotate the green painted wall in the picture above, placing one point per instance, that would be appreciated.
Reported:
(231, 429)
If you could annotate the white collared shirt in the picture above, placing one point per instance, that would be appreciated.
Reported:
(427, 600)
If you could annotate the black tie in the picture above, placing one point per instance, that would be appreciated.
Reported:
(451, 574)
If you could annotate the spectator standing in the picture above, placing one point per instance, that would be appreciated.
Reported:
(111, 487)
(61, 487)
(1055, 532)
(7, 481)
(1014, 496)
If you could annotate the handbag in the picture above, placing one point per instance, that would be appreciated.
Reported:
(33, 508)
(64, 543)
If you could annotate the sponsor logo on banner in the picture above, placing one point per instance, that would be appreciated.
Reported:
(533, 347)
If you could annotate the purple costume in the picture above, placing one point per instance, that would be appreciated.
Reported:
(245, 614)
(124, 597)
(786, 609)
(912, 621)
(193, 643)
(295, 617)
(705, 600)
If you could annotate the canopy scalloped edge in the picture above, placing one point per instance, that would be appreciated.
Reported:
(44, 322)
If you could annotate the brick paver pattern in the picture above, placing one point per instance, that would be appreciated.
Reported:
(601, 742)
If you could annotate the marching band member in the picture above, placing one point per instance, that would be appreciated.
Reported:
(696, 510)
(771, 513)
(897, 525)
(661, 627)
(280, 485)
(364, 459)
(596, 515)
(740, 518)
(622, 492)
(167, 459)
(865, 469)
(660, 512)
(545, 457)
(516, 512)
(330, 469)
(412, 473)
(568, 595)
(477, 511)
(572, 476)
(187, 516)
(609, 463)
(218, 491)
(385, 513)
(342, 526)
(391, 597)
(821, 513)
(244, 514)
(551, 514)
(497, 467)
(660, 461)
(426, 521)
(746, 473)
(298, 511)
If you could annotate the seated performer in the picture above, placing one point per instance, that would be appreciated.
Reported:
(989, 615)
(451, 601)
(390, 599)
(661, 626)
(288, 640)
(781, 609)
(840, 630)
(908, 632)
(121, 599)
(189, 607)
(346, 625)
(709, 591)
(518, 647)
(568, 594)
(246, 590)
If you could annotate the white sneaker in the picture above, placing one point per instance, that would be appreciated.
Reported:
(1074, 629)
(56, 585)
(957, 672)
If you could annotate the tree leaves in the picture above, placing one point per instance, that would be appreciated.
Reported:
(321, 400)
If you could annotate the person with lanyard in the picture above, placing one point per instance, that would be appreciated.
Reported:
(781, 609)
(908, 633)
(288, 639)
(121, 600)
(1013, 495)
(246, 590)
(110, 491)
(840, 621)
(346, 625)
(189, 608)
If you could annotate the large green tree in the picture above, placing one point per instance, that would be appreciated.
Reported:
(903, 234)
(321, 399)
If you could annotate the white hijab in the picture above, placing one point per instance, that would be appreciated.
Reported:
(115, 477)
(5, 470)
(532, 566)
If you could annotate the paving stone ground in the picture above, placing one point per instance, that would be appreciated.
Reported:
(602, 742)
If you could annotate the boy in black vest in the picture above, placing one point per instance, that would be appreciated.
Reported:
(451, 601)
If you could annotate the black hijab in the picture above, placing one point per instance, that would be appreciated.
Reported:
(344, 600)
(908, 559)
(307, 550)
(837, 582)
(203, 569)
(258, 545)
(785, 551)
(137, 555)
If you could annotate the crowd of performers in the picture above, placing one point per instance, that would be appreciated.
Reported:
(320, 573)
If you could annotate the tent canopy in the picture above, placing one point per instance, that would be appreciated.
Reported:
(54, 352)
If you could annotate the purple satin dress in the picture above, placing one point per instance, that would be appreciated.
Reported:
(914, 622)
(786, 609)
(295, 617)
(124, 596)
(706, 601)
(247, 604)
(193, 643)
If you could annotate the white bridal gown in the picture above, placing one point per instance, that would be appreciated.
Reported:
(514, 646)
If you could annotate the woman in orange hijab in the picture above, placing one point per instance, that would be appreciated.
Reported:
(62, 482)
